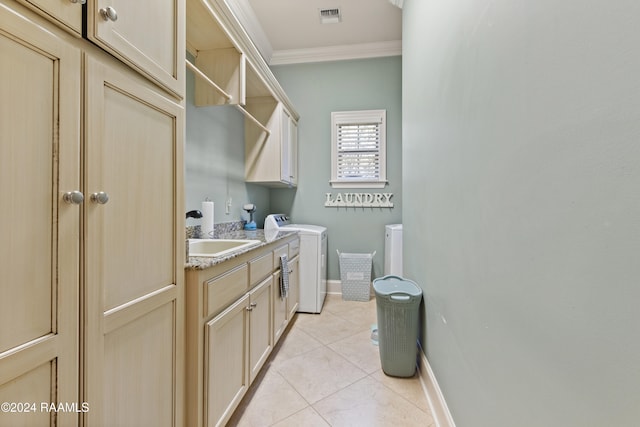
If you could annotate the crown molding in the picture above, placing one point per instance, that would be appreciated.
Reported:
(247, 17)
(337, 53)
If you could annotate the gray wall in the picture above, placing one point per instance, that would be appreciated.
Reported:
(214, 162)
(316, 90)
(521, 155)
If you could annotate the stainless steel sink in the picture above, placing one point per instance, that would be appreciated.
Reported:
(214, 248)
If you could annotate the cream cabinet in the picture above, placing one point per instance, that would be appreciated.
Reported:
(133, 296)
(285, 307)
(229, 330)
(294, 287)
(290, 153)
(225, 362)
(91, 308)
(280, 302)
(147, 35)
(238, 342)
(260, 339)
(40, 82)
(271, 156)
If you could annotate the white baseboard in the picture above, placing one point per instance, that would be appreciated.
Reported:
(334, 287)
(438, 406)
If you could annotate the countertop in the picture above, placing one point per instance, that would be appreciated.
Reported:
(201, 263)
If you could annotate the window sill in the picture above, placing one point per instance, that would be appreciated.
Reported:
(358, 184)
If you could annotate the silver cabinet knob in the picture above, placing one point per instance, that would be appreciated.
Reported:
(78, 1)
(253, 304)
(73, 197)
(109, 14)
(100, 197)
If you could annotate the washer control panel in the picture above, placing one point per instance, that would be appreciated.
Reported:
(275, 221)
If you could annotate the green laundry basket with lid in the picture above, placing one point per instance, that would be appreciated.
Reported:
(397, 304)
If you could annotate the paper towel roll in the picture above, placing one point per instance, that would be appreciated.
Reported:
(207, 220)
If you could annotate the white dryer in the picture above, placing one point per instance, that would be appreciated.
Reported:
(313, 260)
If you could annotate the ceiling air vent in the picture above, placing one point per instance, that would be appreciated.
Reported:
(330, 16)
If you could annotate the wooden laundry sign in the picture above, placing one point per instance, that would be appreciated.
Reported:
(364, 200)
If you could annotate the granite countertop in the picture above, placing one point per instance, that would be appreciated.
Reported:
(201, 263)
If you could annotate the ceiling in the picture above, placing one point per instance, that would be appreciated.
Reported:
(290, 31)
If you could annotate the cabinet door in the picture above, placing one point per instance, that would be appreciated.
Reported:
(271, 159)
(39, 258)
(285, 146)
(148, 35)
(294, 287)
(134, 256)
(289, 148)
(66, 13)
(293, 152)
(279, 309)
(226, 362)
(260, 336)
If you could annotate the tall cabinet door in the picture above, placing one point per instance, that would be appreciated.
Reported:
(39, 162)
(226, 362)
(134, 272)
(260, 329)
(148, 35)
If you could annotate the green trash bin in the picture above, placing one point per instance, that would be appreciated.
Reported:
(397, 305)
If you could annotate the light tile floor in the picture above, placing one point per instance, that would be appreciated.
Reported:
(326, 372)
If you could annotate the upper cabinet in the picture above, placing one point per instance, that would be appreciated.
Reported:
(65, 13)
(271, 155)
(230, 70)
(290, 151)
(147, 35)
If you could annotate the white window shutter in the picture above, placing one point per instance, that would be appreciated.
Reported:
(358, 149)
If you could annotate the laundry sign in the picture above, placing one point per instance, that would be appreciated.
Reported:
(357, 200)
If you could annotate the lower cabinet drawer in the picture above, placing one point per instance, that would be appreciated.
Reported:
(224, 289)
(282, 250)
(259, 268)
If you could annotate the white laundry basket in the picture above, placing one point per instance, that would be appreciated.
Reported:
(355, 275)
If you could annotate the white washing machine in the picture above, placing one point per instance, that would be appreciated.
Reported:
(313, 260)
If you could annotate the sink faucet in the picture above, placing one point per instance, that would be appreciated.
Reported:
(194, 214)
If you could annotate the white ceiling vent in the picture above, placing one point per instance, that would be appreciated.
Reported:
(330, 16)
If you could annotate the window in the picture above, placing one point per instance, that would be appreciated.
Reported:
(358, 149)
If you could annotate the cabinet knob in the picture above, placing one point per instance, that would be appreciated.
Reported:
(109, 14)
(73, 197)
(249, 308)
(100, 197)
(253, 304)
(78, 1)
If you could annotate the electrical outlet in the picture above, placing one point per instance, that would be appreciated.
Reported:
(227, 207)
